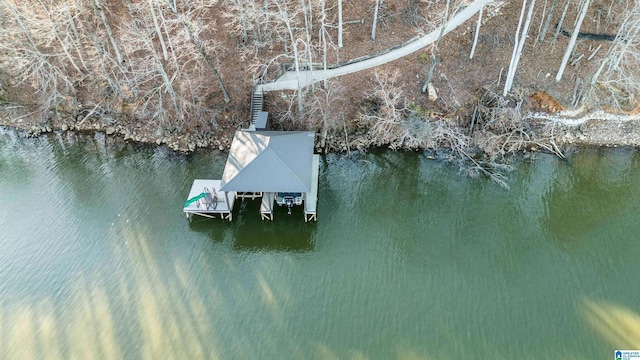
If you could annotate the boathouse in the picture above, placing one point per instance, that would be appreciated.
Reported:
(277, 167)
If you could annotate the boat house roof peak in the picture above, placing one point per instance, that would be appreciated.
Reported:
(269, 161)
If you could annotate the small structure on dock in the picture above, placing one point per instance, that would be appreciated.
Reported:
(279, 167)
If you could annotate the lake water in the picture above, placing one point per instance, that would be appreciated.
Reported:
(408, 260)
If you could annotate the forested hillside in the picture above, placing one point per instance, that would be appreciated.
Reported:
(181, 72)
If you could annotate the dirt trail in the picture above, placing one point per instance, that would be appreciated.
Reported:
(292, 80)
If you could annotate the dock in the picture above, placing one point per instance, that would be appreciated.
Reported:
(311, 198)
(277, 167)
(266, 206)
(218, 204)
(266, 164)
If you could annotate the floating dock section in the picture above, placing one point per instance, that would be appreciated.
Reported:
(206, 199)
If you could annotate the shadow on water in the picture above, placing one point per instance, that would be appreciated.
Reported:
(214, 229)
(248, 232)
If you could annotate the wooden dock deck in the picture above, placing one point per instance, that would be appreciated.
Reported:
(311, 198)
(222, 205)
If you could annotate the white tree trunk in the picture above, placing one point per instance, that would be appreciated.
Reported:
(165, 54)
(375, 20)
(475, 36)
(296, 59)
(564, 14)
(197, 43)
(339, 23)
(572, 41)
(523, 38)
(545, 28)
(114, 44)
(507, 85)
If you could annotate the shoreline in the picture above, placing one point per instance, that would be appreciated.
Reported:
(592, 132)
(182, 143)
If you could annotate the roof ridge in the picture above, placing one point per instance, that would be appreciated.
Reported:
(295, 176)
(254, 155)
(252, 137)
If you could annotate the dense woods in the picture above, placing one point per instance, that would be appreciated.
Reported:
(180, 72)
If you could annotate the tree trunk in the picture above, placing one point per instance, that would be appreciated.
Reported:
(516, 41)
(523, 38)
(375, 20)
(339, 23)
(165, 54)
(434, 60)
(323, 40)
(564, 14)
(475, 36)
(114, 44)
(545, 28)
(211, 65)
(572, 41)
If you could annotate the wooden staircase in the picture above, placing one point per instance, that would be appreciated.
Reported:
(257, 99)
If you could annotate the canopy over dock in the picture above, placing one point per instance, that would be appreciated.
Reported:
(269, 161)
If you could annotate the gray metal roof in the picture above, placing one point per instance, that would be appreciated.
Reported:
(269, 161)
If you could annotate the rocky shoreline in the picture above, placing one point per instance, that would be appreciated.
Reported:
(592, 132)
(186, 142)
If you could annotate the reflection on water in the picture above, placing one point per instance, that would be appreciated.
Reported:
(617, 324)
(408, 259)
(135, 311)
(594, 189)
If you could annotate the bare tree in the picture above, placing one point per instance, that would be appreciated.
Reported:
(434, 48)
(325, 41)
(475, 35)
(287, 17)
(618, 73)
(515, 59)
(31, 36)
(100, 10)
(386, 121)
(572, 40)
(189, 19)
(375, 20)
(397, 124)
(545, 28)
(320, 112)
(562, 17)
(339, 23)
